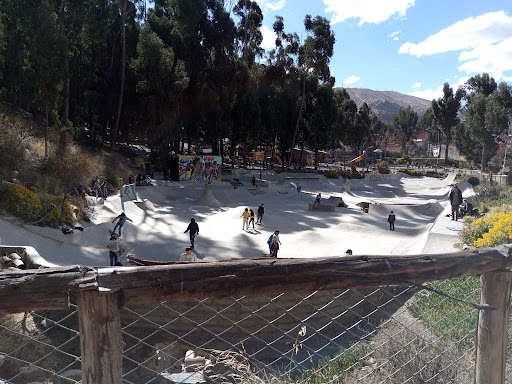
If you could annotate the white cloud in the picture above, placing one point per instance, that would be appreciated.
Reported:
(269, 38)
(394, 35)
(469, 33)
(485, 43)
(272, 5)
(351, 80)
(493, 59)
(416, 85)
(367, 11)
(431, 94)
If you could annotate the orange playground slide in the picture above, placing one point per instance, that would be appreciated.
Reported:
(358, 158)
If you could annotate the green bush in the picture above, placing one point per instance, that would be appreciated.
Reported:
(403, 160)
(56, 216)
(23, 203)
(352, 175)
(474, 181)
(332, 174)
(411, 172)
(383, 168)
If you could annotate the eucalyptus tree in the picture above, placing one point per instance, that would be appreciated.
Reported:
(248, 31)
(314, 57)
(279, 89)
(45, 61)
(363, 125)
(487, 118)
(161, 81)
(445, 111)
(345, 127)
(405, 123)
(319, 116)
(217, 77)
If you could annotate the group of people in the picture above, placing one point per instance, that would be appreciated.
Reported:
(460, 206)
(248, 217)
(115, 245)
(141, 180)
(100, 189)
(274, 243)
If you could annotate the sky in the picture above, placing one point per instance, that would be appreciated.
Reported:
(408, 46)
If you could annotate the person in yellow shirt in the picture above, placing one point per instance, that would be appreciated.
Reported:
(245, 215)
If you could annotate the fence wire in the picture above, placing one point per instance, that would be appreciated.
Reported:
(394, 334)
(40, 347)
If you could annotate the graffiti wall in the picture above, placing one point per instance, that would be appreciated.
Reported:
(200, 168)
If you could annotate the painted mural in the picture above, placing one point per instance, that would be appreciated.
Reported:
(200, 168)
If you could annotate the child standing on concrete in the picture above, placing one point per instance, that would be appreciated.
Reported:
(391, 221)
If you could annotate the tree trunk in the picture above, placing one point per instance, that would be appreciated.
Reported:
(298, 118)
(65, 107)
(482, 162)
(446, 149)
(115, 128)
(46, 113)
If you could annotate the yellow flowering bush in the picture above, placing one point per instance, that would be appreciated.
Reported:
(27, 205)
(56, 216)
(489, 231)
(23, 202)
(499, 233)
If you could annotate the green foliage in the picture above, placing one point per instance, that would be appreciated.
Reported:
(448, 319)
(383, 168)
(489, 231)
(56, 216)
(437, 175)
(403, 160)
(332, 174)
(28, 206)
(352, 175)
(412, 172)
(23, 203)
(405, 123)
(327, 369)
(474, 181)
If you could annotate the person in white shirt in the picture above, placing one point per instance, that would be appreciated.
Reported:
(115, 247)
(188, 256)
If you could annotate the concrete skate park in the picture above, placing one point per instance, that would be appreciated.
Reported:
(161, 213)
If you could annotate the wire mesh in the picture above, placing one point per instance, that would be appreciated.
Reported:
(42, 346)
(398, 334)
(393, 334)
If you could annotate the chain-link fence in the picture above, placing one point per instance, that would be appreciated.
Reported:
(406, 333)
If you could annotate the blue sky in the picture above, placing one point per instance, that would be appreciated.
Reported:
(409, 46)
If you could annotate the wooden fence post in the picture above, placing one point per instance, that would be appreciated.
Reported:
(101, 343)
(492, 337)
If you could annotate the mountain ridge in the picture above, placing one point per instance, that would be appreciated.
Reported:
(385, 104)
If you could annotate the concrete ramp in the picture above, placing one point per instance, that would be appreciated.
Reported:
(145, 205)
(207, 198)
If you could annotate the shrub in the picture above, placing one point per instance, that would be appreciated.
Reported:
(352, 175)
(403, 160)
(23, 203)
(474, 181)
(490, 231)
(411, 172)
(435, 174)
(383, 168)
(56, 216)
(332, 174)
(499, 230)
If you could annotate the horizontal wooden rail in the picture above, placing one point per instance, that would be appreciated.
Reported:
(49, 288)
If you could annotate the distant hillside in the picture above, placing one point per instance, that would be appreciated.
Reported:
(385, 104)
